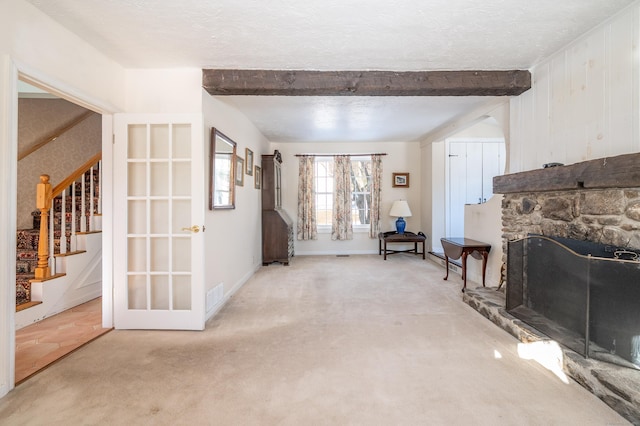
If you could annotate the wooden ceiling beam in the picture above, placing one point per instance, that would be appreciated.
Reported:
(224, 82)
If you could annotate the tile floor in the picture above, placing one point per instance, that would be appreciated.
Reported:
(40, 344)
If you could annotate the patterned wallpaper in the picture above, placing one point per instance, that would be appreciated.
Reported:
(38, 118)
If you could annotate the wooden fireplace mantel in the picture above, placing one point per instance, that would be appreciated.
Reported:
(622, 171)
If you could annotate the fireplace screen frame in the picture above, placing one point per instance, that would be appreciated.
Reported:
(579, 294)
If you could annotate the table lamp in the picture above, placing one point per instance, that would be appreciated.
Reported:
(400, 209)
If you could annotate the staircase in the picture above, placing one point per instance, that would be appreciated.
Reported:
(71, 253)
(26, 262)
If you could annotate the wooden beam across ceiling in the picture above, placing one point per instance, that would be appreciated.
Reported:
(219, 82)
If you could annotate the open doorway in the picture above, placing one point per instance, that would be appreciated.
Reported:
(56, 138)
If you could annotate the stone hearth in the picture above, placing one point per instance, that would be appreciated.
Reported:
(596, 201)
(618, 387)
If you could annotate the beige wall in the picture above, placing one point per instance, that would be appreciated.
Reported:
(401, 157)
(233, 237)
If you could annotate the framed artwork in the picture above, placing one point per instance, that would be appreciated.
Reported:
(248, 155)
(400, 180)
(240, 168)
(257, 178)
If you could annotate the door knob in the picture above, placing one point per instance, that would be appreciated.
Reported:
(194, 229)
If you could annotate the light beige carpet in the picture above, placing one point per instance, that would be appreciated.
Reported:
(326, 341)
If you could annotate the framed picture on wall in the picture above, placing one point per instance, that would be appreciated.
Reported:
(248, 155)
(400, 180)
(257, 178)
(240, 168)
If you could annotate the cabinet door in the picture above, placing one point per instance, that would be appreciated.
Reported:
(474, 173)
(493, 163)
(278, 185)
(457, 189)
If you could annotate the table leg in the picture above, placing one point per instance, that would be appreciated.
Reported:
(385, 249)
(485, 255)
(423, 250)
(446, 265)
(464, 269)
(379, 247)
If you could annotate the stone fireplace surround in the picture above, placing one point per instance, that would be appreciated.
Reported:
(597, 201)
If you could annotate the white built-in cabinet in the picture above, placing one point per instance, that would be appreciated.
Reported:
(471, 168)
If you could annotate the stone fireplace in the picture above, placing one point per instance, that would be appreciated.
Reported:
(595, 203)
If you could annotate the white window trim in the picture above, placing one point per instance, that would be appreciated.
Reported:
(357, 229)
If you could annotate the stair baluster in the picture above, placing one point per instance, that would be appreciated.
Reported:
(83, 203)
(73, 242)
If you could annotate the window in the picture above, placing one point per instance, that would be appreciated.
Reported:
(360, 191)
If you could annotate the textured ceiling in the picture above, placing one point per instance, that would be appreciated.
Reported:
(399, 35)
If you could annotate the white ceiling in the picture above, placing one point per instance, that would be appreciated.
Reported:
(397, 35)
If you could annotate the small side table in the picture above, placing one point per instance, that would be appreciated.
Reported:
(455, 248)
(394, 237)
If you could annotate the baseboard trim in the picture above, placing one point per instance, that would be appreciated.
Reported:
(225, 298)
(437, 258)
(335, 253)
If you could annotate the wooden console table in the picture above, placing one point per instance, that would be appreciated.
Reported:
(394, 237)
(455, 248)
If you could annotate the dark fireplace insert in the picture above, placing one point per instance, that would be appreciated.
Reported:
(584, 295)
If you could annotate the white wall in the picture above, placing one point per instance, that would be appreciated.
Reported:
(488, 121)
(233, 237)
(50, 56)
(401, 157)
(486, 129)
(8, 193)
(483, 222)
(436, 153)
(584, 100)
(163, 90)
(47, 52)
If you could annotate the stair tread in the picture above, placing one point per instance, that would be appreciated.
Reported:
(52, 277)
(26, 305)
(69, 253)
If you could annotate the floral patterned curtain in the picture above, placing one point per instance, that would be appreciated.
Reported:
(342, 227)
(376, 185)
(307, 227)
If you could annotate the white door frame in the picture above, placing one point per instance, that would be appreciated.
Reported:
(10, 71)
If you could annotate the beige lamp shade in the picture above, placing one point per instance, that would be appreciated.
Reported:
(400, 208)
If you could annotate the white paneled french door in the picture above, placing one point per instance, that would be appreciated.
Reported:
(158, 222)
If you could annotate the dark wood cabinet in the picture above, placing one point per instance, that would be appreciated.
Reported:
(277, 226)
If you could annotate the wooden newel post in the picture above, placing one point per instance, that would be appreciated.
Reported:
(43, 203)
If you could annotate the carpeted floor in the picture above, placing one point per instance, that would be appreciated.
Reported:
(326, 341)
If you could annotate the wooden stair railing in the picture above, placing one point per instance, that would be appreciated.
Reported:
(54, 135)
(45, 195)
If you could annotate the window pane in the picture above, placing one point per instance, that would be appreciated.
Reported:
(360, 186)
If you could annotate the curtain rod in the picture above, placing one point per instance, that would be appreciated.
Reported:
(348, 155)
